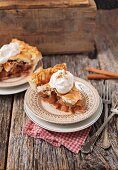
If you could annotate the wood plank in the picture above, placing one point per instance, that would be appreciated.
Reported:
(108, 32)
(15, 4)
(50, 29)
(107, 41)
(89, 161)
(20, 148)
(5, 122)
(106, 45)
(29, 153)
(25, 152)
(102, 156)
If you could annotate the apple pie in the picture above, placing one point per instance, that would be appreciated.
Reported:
(18, 59)
(57, 87)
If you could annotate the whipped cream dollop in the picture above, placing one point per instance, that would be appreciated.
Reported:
(9, 50)
(62, 81)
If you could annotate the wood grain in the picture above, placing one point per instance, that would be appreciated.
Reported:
(15, 4)
(107, 41)
(28, 153)
(52, 30)
(5, 122)
(37, 154)
(20, 147)
(25, 152)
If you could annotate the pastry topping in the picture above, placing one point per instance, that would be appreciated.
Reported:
(43, 76)
(62, 81)
(8, 51)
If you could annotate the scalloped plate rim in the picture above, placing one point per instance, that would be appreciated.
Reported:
(62, 121)
(60, 128)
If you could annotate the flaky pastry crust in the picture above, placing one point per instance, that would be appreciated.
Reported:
(28, 52)
(43, 76)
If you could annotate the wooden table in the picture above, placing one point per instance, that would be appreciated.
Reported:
(18, 152)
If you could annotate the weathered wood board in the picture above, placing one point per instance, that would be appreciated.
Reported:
(53, 26)
(19, 152)
(10, 4)
(5, 122)
(28, 153)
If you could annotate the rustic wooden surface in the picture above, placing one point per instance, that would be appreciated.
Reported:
(53, 30)
(19, 152)
(10, 4)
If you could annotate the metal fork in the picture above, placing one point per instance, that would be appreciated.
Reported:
(89, 145)
(115, 97)
(106, 100)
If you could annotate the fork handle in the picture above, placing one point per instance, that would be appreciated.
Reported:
(105, 141)
(88, 147)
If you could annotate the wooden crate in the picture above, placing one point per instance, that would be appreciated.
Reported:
(63, 26)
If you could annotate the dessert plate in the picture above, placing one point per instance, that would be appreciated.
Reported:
(12, 82)
(65, 128)
(48, 113)
(14, 90)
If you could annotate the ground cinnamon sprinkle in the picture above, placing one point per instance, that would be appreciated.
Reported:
(59, 76)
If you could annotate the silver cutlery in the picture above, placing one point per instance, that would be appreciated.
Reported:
(107, 101)
(89, 145)
(115, 98)
(114, 134)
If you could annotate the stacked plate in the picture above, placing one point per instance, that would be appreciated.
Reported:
(46, 116)
(14, 85)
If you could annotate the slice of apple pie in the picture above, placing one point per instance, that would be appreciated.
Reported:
(18, 59)
(56, 86)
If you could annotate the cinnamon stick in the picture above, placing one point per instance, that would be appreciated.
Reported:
(91, 69)
(101, 76)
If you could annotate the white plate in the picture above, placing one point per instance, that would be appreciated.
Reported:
(65, 128)
(14, 90)
(48, 112)
(12, 82)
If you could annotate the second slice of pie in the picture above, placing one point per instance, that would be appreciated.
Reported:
(18, 59)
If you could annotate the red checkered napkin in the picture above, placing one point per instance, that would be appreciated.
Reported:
(72, 141)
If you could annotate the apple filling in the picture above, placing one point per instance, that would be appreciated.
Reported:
(58, 103)
(13, 69)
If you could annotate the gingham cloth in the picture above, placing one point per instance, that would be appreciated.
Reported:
(72, 141)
